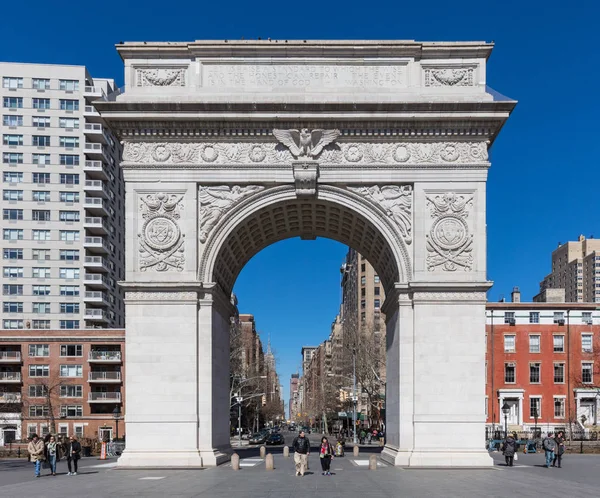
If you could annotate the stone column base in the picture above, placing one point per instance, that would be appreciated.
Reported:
(212, 458)
(159, 459)
(436, 458)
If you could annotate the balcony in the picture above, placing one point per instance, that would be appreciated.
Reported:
(96, 263)
(89, 111)
(95, 132)
(10, 377)
(95, 205)
(95, 150)
(97, 245)
(96, 280)
(95, 169)
(94, 91)
(104, 397)
(95, 315)
(10, 357)
(96, 297)
(95, 225)
(96, 188)
(97, 356)
(6, 398)
(105, 377)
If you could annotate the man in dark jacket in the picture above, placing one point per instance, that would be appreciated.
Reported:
(509, 448)
(73, 453)
(301, 446)
(560, 448)
(549, 446)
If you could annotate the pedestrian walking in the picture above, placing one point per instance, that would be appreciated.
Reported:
(549, 445)
(52, 454)
(362, 437)
(560, 448)
(325, 455)
(509, 448)
(36, 453)
(301, 447)
(73, 454)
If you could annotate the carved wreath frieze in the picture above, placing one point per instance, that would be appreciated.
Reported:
(449, 241)
(396, 201)
(161, 241)
(461, 76)
(161, 296)
(350, 153)
(160, 77)
(215, 201)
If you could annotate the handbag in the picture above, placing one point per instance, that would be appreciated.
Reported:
(516, 456)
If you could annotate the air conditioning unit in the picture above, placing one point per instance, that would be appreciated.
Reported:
(512, 321)
(560, 321)
(588, 321)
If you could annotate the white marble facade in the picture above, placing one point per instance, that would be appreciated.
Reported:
(231, 146)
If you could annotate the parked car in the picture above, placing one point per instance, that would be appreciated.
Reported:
(275, 438)
(258, 438)
(246, 435)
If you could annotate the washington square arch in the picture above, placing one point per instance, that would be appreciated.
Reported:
(230, 146)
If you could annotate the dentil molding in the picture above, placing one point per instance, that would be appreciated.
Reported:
(161, 296)
(346, 153)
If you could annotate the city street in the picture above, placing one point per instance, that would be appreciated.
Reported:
(351, 478)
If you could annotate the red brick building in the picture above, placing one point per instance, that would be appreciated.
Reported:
(543, 360)
(74, 378)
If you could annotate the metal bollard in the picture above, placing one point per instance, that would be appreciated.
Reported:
(269, 464)
(235, 461)
(286, 451)
(373, 462)
(263, 451)
(355, 451)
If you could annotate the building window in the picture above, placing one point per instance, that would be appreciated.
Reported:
(559, 316)
(69, 324)
(69, 160)
(69, 290)
(69, 235)
(41, 103)
(377, 291)
(69, 255)
(40, 140)
(559, 407)
(41, 84)
(40, 272)
(38, 391)
(69, 197)
(40, 178)
(12, 234)
(510, 373)
(586, 316)
(363, 304)
(586, 343)
(41, 308)
(12, 177)
(12, 158)
(41, 290)
(69, 179)
(71, 411)
(534, 343)
(70, 391)
(12, 83)
(13, 272)
(41, 324)
(13, 253)
(78, 431)
(12, 120)
(70, 85)
(38, 411)
(68, 215)
(363, 292)
(363, 280)
(12, 290)
(509, 343)
(69, 307)
(41, 195)
(534, 373)
(40, 159)
(559, 373)
(13, 102)
(559, 343)
(12, 324)
(587, 376)
(40, 121)
(535, 407)
(40, 215)
(377, 304)
(39, 350)
(12, 307)
(71, 350)
(376, 279)
(71, 371)
(69, 273)
(39, 370)
(12, 214)
(69, 141)
(41, 234)
(12, 139)
(68, 123)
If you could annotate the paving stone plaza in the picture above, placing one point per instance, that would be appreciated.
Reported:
(350, 479)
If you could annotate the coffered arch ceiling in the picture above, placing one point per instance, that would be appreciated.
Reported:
(308, 219)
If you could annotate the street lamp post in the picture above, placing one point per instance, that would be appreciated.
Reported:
(535, 418)
(239, 400)
(505, 410)
(116, 414)
(354, 397)
(583, 420)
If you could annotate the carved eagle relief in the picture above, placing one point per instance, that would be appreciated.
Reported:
(304, 143)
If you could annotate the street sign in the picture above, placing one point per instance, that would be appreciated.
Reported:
(342, 414)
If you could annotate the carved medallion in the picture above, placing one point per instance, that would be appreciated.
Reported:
(401, 154)
(161, 233)
(257, 153)
(353, 154)
(209, 153)
(161, 152)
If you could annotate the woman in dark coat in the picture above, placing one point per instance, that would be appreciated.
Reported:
(73, 454)
(509, 447)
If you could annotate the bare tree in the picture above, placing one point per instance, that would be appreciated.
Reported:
(47, 388)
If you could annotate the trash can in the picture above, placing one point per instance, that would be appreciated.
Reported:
(87, 451)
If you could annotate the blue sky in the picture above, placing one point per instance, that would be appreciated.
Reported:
(543, 183)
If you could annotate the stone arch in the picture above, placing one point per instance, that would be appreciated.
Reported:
(278, 213)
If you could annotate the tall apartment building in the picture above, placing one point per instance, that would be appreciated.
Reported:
(576, 269)
(62, 201)
(294, 405)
